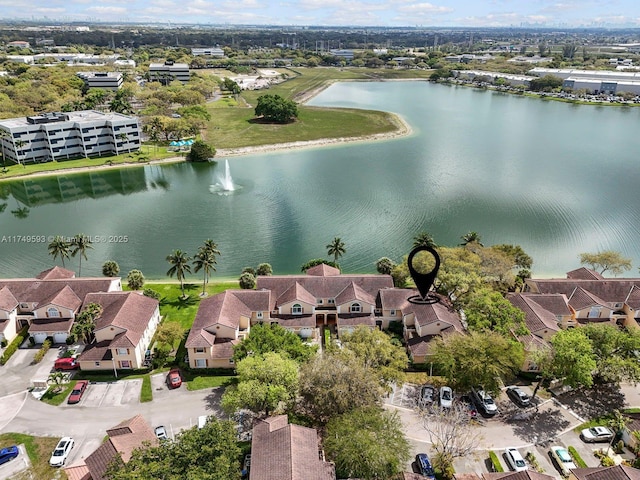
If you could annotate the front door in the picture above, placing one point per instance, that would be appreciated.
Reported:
(320, 320)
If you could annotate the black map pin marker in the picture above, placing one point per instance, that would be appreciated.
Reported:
(423, 281)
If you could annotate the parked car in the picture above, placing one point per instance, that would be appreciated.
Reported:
(424, 466)
(67, 363)
(161, 433)
(596, 434)
(518, 397)
(468, 406)
(515, 460)
(563, 459)
(9, 453)
(78, 391)
(427, 395)
(483, 401)
(173, 378)
(61, 452)
(445, 397)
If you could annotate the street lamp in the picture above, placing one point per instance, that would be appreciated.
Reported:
(113, 361)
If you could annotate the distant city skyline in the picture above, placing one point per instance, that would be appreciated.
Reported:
(386, 13)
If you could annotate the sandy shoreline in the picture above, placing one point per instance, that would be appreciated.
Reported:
(402, 129)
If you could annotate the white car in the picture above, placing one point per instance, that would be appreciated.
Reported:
(563, 459)
(161, 433)
(61, 452)
(596, 434)
(515, 460)
(446, 397)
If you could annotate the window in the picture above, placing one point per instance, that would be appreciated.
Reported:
(53, 312)
(296, 309)
(231, 360)
(97, 364)
(355, 308)
(199, 349)
(594, 312)
(319, 301)
(125, 364)
(331, 301)
(392, 313)
(123, 351)
(201, 363)
(259, 315)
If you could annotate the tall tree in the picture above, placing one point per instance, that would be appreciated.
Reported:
(487, 310)
(208, 453)
(471, 237)
(367, 443)
(424, 239)
(481, 358)
(606, 261)
(204, 260)
(59, 247)
(336, 248)
(80, 243)
(267, 384)
(179, 261)
(264, 337)
(135, 279)
(615, 352)
(110, 268)
(384, 266)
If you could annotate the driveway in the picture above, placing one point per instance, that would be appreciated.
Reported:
(103, 394)
(19, 372)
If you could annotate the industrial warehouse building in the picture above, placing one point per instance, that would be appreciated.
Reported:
(594, 81)
(58, 136)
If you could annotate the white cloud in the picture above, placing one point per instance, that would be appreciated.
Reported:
(99, 10)
(424, 9)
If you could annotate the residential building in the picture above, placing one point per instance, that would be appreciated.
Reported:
(523, 475)
(48, 303)
(19, 44)
(104, 80)
(306, 304)
(54, 136)
(121, 441)
(617, 472)
(283, 451)
(208, 51)
(123, 331)
(169, 71)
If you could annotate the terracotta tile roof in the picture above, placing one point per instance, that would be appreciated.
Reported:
(355, 319)
(466, 476)
(581, 299)
(226, 308)
(324, 287)
(633, 299)
(51, 325)
(618, 472)
(420, 346)
(64, 297)
(398, 299)
(610, 290)
(56, 273)
(536, 317)
(584, 273)
(323, 270)
(282, 451)
(123, 439)
(295, 321)
(533, 342)
(525, 475)
(130, 311)
(417, 476)
(7, 301)
(223, 348)
(30, 290)
(558, 304)
(96, 352)
(354, 292)
(78, 472)
(295, 292)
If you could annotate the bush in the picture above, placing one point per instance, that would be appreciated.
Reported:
(151, 293)
(200, 152)
(14, 345)
(37, 358)
(576, 456)
(619, 447)
(495, 461)
(3, 342)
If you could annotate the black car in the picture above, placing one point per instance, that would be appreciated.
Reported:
(518, 397)
(424, 466)
(427, 395)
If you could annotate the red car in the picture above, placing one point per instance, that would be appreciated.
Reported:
(173, 379)
(67, 363)
(77, 392)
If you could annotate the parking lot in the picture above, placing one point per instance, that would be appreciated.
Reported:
(18, 464)
(109, 394)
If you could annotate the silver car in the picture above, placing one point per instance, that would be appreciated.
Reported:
(515, 460)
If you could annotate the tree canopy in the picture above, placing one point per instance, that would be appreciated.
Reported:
(615, 352)
(201, 152)
(606, 261)
(265, 338)
(208, 453)
(318, 261)
(487, 310)
(275, 108)
(367, 443)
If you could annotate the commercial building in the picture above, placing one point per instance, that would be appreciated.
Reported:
(594, 81)
(491, 77)
(169, 71)
(208, 51)
(58, 136)
(105, 80)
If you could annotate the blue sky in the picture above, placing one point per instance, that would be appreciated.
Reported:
(468, 13)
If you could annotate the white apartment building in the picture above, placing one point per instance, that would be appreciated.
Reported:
(208, 51)
(59, 136)
(168, 71)
(105, 80)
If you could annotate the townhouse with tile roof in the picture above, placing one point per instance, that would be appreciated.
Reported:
(617, 472)
(284, 451)
(306, 304)
(121, 441)
(47, 304)
(123, 331)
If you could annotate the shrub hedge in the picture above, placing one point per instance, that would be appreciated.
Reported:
(37, 358)
(14, 345)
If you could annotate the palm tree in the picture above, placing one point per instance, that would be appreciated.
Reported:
(80, 243)
(59, 247)
(19, 144)
(179, 266)
(617, 423)
(424, 239)
(204, 260)
(336, 248)
(471, 237)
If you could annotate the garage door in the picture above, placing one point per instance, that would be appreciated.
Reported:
(60, 337)
(39, 337)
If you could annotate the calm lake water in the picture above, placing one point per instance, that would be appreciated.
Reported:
(555, 178)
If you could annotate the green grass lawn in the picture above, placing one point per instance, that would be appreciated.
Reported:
(199, 382)
(38, 448)
(146, 393)
(56, 399)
